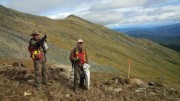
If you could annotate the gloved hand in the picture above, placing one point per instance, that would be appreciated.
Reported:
(45, 36)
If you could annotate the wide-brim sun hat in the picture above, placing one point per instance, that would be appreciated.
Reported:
(80, 40)
(35, 33)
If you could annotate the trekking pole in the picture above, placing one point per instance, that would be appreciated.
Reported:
(129, 62)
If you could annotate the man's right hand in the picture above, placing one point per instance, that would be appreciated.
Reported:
(78, 60)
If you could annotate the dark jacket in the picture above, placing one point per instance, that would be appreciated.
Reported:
(73, 54)
(32, 43)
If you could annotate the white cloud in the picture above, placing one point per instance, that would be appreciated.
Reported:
(128, 12)
(140, 15)
(115, 4)
(106, 12)
(42, 6)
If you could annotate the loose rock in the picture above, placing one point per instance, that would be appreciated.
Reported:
(27, 93)
(117, 89)
(137, 82)
(152, 93)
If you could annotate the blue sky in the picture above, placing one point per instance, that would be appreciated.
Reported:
(110, 13)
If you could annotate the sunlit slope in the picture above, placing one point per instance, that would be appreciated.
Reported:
(104, 46)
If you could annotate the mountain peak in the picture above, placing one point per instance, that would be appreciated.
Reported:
(77, 18)
(72, 16)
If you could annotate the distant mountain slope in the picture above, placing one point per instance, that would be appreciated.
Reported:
(108, 50)
(168, 35)
(166, 30)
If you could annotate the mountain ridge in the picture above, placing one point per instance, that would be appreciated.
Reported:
(167, 35)
(149, 30)
(106, 48)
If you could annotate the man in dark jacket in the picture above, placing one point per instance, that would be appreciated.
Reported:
(39, 59)
(79, 57)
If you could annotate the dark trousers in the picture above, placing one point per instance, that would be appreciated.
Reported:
(40, 73)
(72, 64)
(78, 73)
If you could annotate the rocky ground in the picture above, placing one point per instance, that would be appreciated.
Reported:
(16, 84)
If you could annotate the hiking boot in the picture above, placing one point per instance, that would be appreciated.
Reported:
(76, 91)
(45, 83)
(38, 88)
(86, 88)
(82, 86)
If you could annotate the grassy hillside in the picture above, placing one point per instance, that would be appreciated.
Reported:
(106, 48)
(175, 46)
